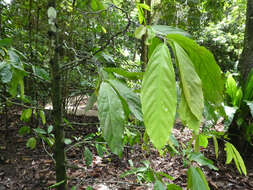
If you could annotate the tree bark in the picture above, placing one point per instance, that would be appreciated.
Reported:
(246, 60)
(56, 96)
(238, 133)
(144, 47)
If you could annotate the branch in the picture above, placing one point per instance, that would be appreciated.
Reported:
(89, 55)
(118, 33)
(20, 104)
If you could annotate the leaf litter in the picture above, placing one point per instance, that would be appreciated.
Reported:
(22, 168)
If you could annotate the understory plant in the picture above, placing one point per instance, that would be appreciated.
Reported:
(173, 58)
(239, 100)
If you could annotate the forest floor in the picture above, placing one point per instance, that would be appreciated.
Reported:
(25, 169)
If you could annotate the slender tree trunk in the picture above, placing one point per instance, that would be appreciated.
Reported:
(56, 96)
(246, 61)
(238, 134)
(144, 47)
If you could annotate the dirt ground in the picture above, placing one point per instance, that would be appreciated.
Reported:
(25, 169)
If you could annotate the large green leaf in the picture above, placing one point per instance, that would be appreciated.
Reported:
(131, 98)
(111, 116)
(196, 179)
(159, 96)
(206, 67)
(191, 94)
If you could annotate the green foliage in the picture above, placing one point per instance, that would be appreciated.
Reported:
(146, 174)
(6, 42)
(88, 157)
(112, 124)
(201, 159)
(205, 65)
(42, 116)
(165, 30)
(141, 7)
(26, 114)
(31, 143)
(196, 179)
(158, 96)
(131, 98)
(192, 102)
(239, 100)
(140, 31)
(12, 72)
(233, 154)
(216, 147)
(124, 73)
(233, 91)
(24, 130)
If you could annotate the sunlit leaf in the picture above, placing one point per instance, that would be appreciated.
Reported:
(158, 96)
(206, 67)
(26, 114)
(203, 140)
(140, 31)
(190, 83)
(42, 116)
(67, 141)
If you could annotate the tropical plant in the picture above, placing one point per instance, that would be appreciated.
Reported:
(200, 80)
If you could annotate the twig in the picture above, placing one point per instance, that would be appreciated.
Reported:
(90, 56)
(92, 180)
(118, 33)
(82, 142)
(81, 124)
(49, 154)
(20, 104)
